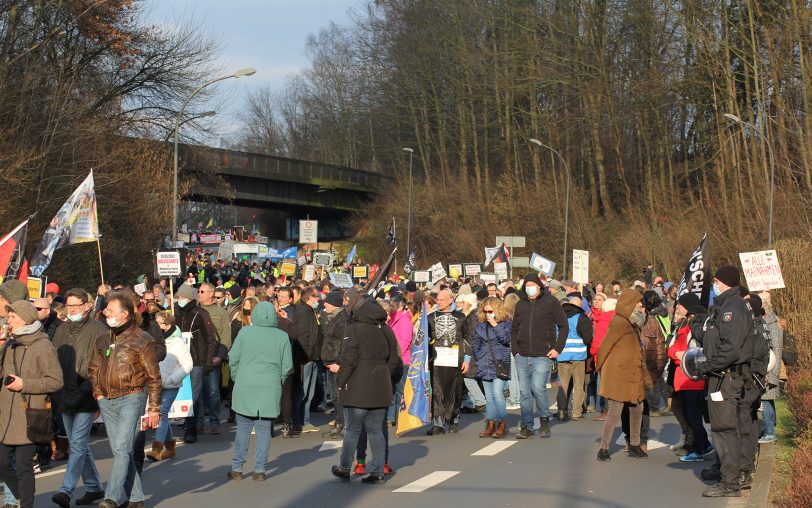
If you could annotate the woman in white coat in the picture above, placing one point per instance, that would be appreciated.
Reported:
(174, 368)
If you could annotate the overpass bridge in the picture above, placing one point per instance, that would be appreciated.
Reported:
(270, 182)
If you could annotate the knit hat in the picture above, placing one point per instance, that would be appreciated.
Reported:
(728, 275)
(465, 289)
(532, 277)
(234, 291)
(691, 303)
(411, 286)
(481, 294)
(186, 291)
(651, 300)
(610, 305)
(25, 310)
(569, 283)
(601, 295)
(554, 284)
(334, 298)
(13, 290)
(470, 298)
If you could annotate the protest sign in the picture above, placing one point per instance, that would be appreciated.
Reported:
(761, 270)
(472, 269)
(488, 278)
(542, 264)
(454, 271)
(437, 272)
(288, 268)
(501, 270)
(309, 273)
(341, 280)
(168, 263)
(580, 266)
(360, 272)
(422, 276)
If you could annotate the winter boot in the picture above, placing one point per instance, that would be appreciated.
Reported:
(501, 430)
(62, 447)
(156, 453)
(169, 449)
(490, 428)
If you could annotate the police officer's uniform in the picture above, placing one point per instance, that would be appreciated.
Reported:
(728, 347)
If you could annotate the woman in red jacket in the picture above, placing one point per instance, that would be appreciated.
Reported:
(691, 392)
(603, 311)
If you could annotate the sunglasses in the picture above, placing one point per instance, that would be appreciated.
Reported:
(42, 308)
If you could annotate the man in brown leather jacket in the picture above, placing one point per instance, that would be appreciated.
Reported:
(123, 365)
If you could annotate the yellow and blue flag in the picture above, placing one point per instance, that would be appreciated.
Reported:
(414, 408)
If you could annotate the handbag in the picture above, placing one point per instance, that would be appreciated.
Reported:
(39, 422)
(502, 368)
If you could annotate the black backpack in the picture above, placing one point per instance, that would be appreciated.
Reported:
(789, 354)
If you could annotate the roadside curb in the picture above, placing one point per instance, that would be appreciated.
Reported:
(760, 491)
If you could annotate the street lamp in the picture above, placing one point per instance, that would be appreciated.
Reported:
(731, 116)
(192, 119)
(409, 217)
(567, 200)
(248, 71)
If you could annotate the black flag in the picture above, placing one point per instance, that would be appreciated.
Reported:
(409, 266)
(697, 277)
(390, 235)
(371, 289)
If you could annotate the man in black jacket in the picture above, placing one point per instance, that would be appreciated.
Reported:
(74, 342)
(306, 322)
(450, 356)
(197, 328)
(535, 344)
(333, 324)
(728, 346)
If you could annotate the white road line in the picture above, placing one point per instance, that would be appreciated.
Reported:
(494, 448)
(330, 445)
(653, 444)
(428, 481)
(51, 473)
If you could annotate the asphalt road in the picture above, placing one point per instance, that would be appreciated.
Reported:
(558, 472)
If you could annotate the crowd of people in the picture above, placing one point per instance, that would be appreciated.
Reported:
(274, 349)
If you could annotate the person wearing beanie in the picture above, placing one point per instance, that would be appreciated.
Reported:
(195, 323)
(538, 335)
(31, 363)
(11, 291)
(727, 344)
(334, 319)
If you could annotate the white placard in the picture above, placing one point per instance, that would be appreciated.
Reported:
(472, 269)
(437, 272)
(309, 273)
(542, 264)
(488, 278)
(447, 357)
(580, 266)
(308, 231)
(168, 264)
(422, 276)
(501, 270)
(341, 280)
(761, 270)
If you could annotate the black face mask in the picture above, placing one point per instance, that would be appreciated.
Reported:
(247, 312)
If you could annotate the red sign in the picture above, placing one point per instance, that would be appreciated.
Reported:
(210, 238)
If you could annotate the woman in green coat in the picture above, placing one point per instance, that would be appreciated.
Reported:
(259, 360)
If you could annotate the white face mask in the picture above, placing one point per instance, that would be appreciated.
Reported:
(112, 322)
(75, 317)
(183, 303)
(489, 315)
(531, 291)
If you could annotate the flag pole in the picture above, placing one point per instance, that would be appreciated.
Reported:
(98, 235)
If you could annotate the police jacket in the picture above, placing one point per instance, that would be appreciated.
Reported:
(728, 332)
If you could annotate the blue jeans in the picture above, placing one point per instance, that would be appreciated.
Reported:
(310, 374)
(372, 421)
(196, 377)
(8, 497)
(264, 430)
(513, 384)
(495, 407)
(164, 431)
(210, 394)
(394, 409)
(121, 419)
(768, 417)
(475, 395)
(80, 459)
(533, 373)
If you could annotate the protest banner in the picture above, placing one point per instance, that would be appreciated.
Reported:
(454, 271)
(421, 276)
(542, 264)
(288, 268)
(472, 269)
(360, 272)
(35, 286)
(580, 266)
(309, 273)
(761, 270)
(437, 272)
(341, 280)
(488, 278)
(501, 270)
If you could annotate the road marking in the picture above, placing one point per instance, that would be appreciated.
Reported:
(330, 445)
(51, 473)
(428, 481)
(653, 444)
(494, 448)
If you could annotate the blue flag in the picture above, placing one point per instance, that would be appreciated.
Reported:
(414, 408)
(351, 255)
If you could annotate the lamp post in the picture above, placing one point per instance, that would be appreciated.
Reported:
(192, 119)
(731, 116)
(409, 216)
(567, 199)
(240, 73)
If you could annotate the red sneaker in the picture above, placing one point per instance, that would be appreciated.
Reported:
(359, 468)
(387, 469)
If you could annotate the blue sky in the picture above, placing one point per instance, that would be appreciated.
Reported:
(268, 35)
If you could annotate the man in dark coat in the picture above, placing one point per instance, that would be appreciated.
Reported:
(74, 342)
(333, 324)
(196, 326)
(306, 322)
(367, 369)
(450, 356)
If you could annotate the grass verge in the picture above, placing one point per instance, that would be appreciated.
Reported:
(784, 446)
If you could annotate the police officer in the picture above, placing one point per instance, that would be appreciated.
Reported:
(728, 347)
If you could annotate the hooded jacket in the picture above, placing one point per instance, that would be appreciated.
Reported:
(533, 332)
(334, 333)
(260, 360)
(370, 360)
(177, 363)
(39, 369)
(74, 343)
(620, 359)
(489, 344)
(195, 320)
